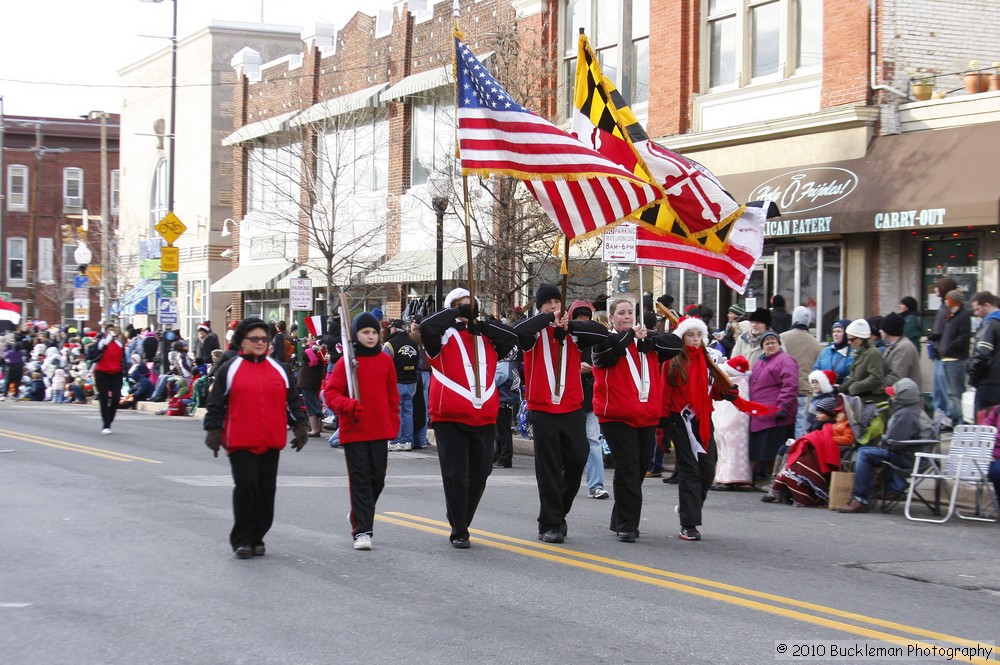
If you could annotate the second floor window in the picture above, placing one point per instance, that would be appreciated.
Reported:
(17, 187)
(274, 171)
(115, 191)
(73, 188)
(618, 31)
(759, 41)
(16, 253)
(433, 147)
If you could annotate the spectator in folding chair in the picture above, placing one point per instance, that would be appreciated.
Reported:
(908, 421)
(983, 367)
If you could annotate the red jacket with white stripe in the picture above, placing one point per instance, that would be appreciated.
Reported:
(379, 399)
(252, 401)
(617, 381)
(449, 351)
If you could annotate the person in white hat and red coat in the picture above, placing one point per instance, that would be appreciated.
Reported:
(464, 418)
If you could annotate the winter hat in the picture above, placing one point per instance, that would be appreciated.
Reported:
(761, 315)
(825, 378)
(245, 326)
(581, 307)
(136, 359)
(737, 310)
(454, 295)
(892, 324)
(692, 310)
(377, 313)
(545, 293)
(955, 296)
(827, 405)
(910, 303)
(365, 320)
(738, 364)
(398, 324)
(769, 334)
(859, 328)
(666, 301)
(778, 300)
(690, 323)
(875, 323)
(840, 323)
(205, 326)
(801, 315)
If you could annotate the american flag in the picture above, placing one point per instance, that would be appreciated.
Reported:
(581, 190)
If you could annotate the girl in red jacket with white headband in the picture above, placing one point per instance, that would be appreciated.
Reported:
(627, 402)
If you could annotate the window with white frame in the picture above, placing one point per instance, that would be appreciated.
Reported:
(274, 177)
(618, 31)
(433, 146)
(115, 191)
(761, 41)
(158, 205)
(354, 155)
(17, 187)
(73, 188)
(17, 249)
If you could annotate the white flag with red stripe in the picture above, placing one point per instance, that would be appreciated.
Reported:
(316, 325)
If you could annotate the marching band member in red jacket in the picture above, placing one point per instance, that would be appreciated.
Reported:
(687, 406)
(464, 418)
(367, 422)
(551, 345)
(249, 408)
(627, 402)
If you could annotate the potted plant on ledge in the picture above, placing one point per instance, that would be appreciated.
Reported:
(921, 86)
(976, 80)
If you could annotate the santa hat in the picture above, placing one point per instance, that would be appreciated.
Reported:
(205, 326)
(736, 365)
(691, 323)
(825, 378)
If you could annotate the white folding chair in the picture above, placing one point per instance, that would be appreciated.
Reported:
(967, 461)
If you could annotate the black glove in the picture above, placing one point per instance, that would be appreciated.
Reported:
(469, 312)
(934, 337)
(300, 435)
(213, 439)
(732, 394)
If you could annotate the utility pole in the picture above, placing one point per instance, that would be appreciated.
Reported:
(105, 216)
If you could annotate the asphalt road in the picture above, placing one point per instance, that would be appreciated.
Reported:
(113, 549)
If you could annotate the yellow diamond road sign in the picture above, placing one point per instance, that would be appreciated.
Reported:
(170, 227)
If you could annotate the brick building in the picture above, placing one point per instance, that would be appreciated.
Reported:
(52, 174)
(806, 102)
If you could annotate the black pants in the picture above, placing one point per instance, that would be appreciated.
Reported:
(561, 450)
(630, 449)
(503, 452)
(987, 395)
(366, 464)
(695, 474)
(256, 478)
(466, 457)
(108, 387)
(12, 377)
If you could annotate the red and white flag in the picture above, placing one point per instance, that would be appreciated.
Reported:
(316, 325)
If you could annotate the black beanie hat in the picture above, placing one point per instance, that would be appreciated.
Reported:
(892, 324)
(761, 315)
(245, 326)
(365, 320)
(545, 293)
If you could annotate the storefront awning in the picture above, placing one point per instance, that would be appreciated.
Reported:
(262, 128)
(342, 105)
(253, 277)
(420, 265)
(136, 300)
(424, 81)
(920, 181)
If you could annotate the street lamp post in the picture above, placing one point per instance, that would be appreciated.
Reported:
(439, 185)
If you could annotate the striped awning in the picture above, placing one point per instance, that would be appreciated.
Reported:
(136, 300)
(261, 128)
(420, 265)
(253, 277)
(342, 105)
(424, 81)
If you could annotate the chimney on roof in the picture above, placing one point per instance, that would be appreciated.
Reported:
(246, 63)
(321, 35)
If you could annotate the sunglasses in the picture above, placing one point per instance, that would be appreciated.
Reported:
(256, 339)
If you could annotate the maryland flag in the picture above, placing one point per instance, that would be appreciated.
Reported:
(697, 225)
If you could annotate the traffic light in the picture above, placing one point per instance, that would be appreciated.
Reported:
(68, 234)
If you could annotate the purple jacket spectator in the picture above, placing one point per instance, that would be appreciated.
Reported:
(774, 381)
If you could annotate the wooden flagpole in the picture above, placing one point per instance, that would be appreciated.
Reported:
(562, 310)
(718, 374)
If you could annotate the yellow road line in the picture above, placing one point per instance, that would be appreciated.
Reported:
(75, 447)
(602, 565)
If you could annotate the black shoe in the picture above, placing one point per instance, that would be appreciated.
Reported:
(769, 498)
(551, 536)
(689, 533)
(259, 550)
(501, 465)
(627, 536)
(461, 543)
(671, 479)
(244, 552)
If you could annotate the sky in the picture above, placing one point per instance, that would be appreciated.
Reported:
(60, 58)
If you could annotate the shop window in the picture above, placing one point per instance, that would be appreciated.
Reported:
(954, 257)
